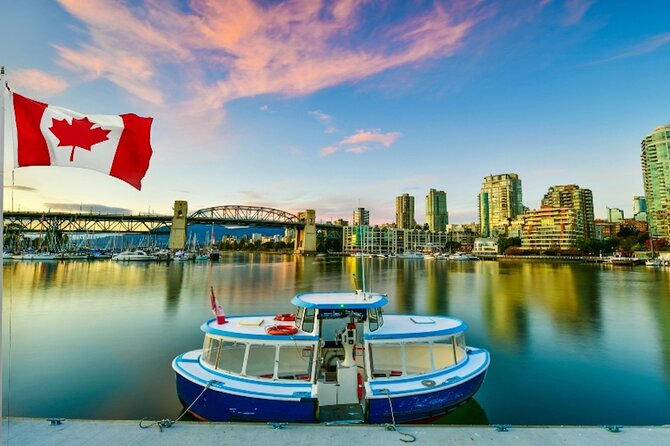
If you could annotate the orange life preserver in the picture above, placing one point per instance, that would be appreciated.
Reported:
(289, 317)
(281, 330)
(360, 387)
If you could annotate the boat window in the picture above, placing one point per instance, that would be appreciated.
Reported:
(308, 320)
(418, 358)
(261, 361)
(461, 351)
(295, 362)
(231, 357)
(373, 319)
(386, 360)
(380, 316)
(299, 316)
(210, 350)
(446, 353)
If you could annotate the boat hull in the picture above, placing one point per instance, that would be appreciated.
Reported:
(218, 405)
(417, 408)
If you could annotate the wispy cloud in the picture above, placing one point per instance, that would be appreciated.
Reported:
(21, 188)
(38, 82)
(362, 141)
(648, 46)
(228, 50)
(325, 119)
(264, 108)
(575, 10)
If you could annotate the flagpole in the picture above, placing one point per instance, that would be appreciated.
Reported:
(2, 218)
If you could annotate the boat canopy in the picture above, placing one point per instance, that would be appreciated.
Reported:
(352, 300)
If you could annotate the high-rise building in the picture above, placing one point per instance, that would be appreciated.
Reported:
(639, 204)
(614, 215)
(551, 228)
(656, 176)
(437, 216)
(639, 208)
(500, 201)
(404, 211)
(571, 196)
(361, 217)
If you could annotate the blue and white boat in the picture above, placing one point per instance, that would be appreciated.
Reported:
(339, 358)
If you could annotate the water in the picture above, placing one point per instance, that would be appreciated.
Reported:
(569, 343)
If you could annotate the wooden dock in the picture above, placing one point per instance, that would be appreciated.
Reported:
(30, 431)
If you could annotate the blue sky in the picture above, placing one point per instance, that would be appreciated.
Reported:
(332, 105)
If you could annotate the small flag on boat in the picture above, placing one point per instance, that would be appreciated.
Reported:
(216, 309)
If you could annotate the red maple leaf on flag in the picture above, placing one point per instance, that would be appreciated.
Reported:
(78, 134)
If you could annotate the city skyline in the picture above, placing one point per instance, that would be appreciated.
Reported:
(332, 106)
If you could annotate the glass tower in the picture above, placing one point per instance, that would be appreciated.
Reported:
(499, 203)
(437, 216)
(655, 159)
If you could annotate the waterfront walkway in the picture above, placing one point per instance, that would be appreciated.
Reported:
(28, 432)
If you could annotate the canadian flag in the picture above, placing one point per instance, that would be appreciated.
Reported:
(46, 135)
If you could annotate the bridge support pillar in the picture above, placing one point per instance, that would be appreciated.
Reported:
(178, 229)
(305, 237)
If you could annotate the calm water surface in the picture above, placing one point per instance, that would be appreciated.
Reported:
(569, 343)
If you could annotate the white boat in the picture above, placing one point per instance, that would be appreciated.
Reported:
(34, 256)
(411, 255)
(653, 262)
(338, 358)
(461, 256)
(133, 256)
(183, 256)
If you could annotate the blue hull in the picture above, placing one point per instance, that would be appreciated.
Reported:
(214, 405)
(423, 407)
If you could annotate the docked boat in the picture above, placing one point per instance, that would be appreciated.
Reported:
(411, 255)
(653, 262)
(339, 358)
(462, 257)
(133, 256)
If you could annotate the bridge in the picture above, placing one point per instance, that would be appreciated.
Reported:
(228, 215)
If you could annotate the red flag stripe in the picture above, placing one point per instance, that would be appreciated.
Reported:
(32, 147)
(132, 156)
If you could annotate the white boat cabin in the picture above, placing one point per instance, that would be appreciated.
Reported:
(340, 343)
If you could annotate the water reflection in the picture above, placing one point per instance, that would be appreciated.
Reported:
(570, 343)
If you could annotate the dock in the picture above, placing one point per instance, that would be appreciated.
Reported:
(31, 431)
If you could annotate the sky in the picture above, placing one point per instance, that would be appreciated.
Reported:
(333, 105)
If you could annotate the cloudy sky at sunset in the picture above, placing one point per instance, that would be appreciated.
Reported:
(334, 104)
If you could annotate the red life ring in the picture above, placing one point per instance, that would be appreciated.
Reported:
(289, 317)
(284, 330)
(360, 387)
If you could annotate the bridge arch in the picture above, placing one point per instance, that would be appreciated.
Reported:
(247, 214)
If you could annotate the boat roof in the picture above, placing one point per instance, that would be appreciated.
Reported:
(331, 300)
(402, 326)
(254, 327)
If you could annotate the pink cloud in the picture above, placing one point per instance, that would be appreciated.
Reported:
(372, 136)
(37, 82)
(226, 50)
(327, 151)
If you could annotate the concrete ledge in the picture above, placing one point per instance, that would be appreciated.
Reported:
(30, 431)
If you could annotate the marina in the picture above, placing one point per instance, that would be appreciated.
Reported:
(578, 344)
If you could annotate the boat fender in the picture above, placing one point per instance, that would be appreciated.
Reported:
(289, 317)
(284, 330)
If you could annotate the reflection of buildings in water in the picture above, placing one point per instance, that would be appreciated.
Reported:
(569, 293)
(503, 304)
(175, 279)
(659, 306)
(437, 289)
(405, 289)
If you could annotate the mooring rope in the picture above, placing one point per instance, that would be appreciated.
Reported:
(166, 422)
(392, 426)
